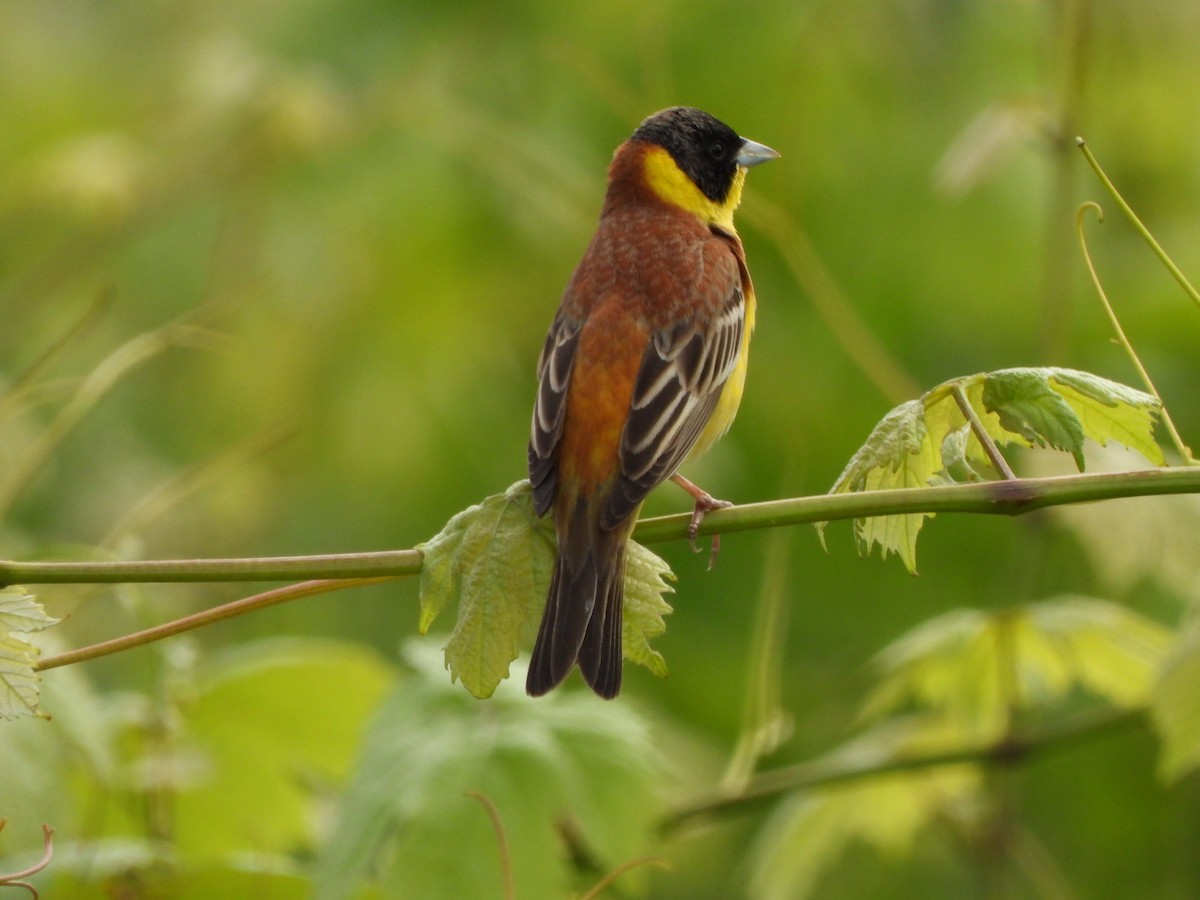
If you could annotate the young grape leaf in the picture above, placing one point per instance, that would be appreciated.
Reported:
(930, 440)
(20, 613)
(646, 577)
(1175, 707)
(562, 771)
(268, 720)
(958, 464)
(974, 667)
(496, 559)
(1111, 411)
(1028, 406)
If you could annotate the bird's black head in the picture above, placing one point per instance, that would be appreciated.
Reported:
(704, 147)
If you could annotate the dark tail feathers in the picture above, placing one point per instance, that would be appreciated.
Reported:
(582, 621)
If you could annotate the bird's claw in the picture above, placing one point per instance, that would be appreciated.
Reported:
(705, 503)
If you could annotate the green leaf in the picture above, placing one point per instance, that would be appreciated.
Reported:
(975, 667)
(811, 829)
(559, 762)
(1111, 412)
(272, 722)
(1104, 648)
(899, 436)
(1028, 405)
(57, 769)
(475, 540)
(950, 683)
(646, 582)
(958, 466)
(930, 441)
(897, 455)
(496, 560)
(1175, 707)
(20, 613)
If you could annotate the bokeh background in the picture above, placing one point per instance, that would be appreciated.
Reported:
(274, 277)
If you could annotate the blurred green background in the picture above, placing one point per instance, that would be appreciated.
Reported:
(336, 234)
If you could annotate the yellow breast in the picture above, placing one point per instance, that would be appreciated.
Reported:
(731, 395)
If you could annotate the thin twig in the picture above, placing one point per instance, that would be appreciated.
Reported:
(1137, 223)
(605, 882)
(510, 891)
(985, 440)
(1183, 449)
(14, 879)
(822, 773)
(200, 619)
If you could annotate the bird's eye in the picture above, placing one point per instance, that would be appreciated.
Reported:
(717, 150)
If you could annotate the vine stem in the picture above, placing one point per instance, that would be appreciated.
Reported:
(1011, 498)
(1181, 448)
(1137, 223)
(608, 880)
(199, 620)
(824, 772)
(387, 563)
(1015, 497)
(14, 879)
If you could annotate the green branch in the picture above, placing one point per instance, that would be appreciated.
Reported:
(229, 610)
(1014, 497)
(822, 773)
(322, 574)
(1011, 498)
(386, 563)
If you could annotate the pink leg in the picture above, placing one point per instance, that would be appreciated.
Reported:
(705, 502)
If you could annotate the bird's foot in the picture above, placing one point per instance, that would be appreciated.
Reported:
(704, 504)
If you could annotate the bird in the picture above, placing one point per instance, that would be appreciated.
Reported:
(642, 368)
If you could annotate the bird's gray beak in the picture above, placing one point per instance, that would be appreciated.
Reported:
(753, 153)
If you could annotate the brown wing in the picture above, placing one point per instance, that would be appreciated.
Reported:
(680, 380)
(549, 411)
